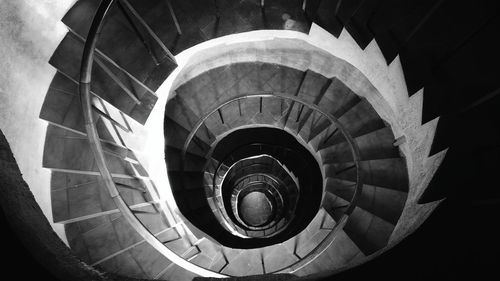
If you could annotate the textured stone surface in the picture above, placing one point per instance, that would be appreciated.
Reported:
(346, 38)
(34, 231)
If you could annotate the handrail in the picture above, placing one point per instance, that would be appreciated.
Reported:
(229, 155)
(241, 187)
(277, 204)
(95, 145)
(260, 144)
(328, 240)
(278, 198)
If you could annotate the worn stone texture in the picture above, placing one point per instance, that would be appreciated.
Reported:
(28, 221)
(367, 74)
(389, 99)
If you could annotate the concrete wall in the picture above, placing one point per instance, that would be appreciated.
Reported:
(29, 33)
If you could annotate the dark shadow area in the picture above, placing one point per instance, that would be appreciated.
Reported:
(459, 241)
(189, 186)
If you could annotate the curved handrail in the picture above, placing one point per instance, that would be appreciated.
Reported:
(260, 144)
(276, 204)
(240, 187)
(328, 240)
(223, 161)
(95, 145)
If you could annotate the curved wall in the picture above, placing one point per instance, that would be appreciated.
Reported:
(29, 31)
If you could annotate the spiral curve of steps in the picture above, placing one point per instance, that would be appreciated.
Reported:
(248, 93)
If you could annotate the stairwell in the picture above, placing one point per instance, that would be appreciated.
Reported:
(321, 86)
(124, 94)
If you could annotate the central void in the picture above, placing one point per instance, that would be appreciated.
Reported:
(203, 185)
(256, 209)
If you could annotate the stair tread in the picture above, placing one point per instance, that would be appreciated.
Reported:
(176, 135)
(62, 107)
(77, 196)
(338, 98)
(327, 19)
(64, 151)
(358, 120)
(377, 144)
(313, 234)
(341, 252)
(368, 231)
(385, 203)
(357, 24)
(248, 262)
(100, 239)
(388, 173)
(192, 162)
(119, 32)
(179, 112)
(313, 87)
(277, 257)
(67, 59)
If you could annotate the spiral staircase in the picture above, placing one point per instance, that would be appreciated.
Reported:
(335, 166)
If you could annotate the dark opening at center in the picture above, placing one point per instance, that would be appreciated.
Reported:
(256, 209)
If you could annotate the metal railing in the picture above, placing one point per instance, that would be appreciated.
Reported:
(97, 150)
(85, 81)
(329, 239)
(227, 161)
(281, 191)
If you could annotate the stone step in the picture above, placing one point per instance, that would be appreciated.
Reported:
(221, 84)
(118, 31)
(389, 173)
(62, 107)
(109, 242)
(248, 112)
(278, 256)
(209, 249)
(189, 201)
(176, 135)
(76, 197)
(188, 180)
(338, 98)
(109, 81)
(358, 120)
(212, 165)
(378, 144)
(358, 23)
(295, 115)
(368, 231)
(248, 262)
(70, 152)
(341, 252)
(178, 111)
(156, 15)
(326, 18)
(191, 162)
(187, 252)
(313, 87)
(313, 234)
(224, 83)
(382, 202)
(316, 129)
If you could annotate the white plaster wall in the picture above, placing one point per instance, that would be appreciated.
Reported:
(30, 30)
